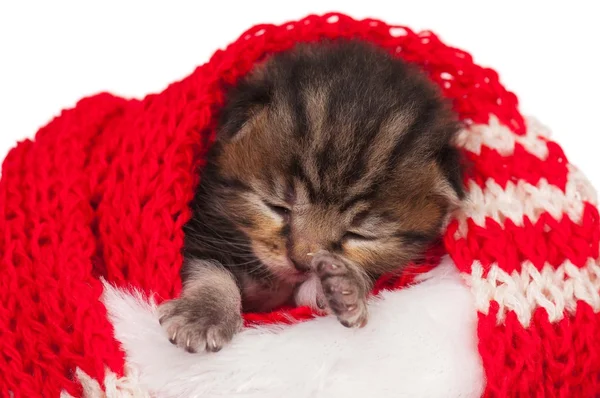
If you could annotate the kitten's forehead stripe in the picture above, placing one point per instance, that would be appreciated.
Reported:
(316, 107)
(301, 118)
(297, 170)
(326, 158)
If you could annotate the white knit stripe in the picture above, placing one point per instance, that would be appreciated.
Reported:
(555, 289)
(522, 199)
(127, 386)
(499, 137)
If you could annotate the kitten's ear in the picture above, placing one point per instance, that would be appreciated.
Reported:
(451, 164)
(449, 189)
(244, 103)
(447, 196)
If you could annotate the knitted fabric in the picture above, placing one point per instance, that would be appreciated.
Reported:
(103, 190)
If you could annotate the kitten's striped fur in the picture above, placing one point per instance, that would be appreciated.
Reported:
(333, 158)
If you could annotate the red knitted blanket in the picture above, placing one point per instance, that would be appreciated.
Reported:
(102, 192)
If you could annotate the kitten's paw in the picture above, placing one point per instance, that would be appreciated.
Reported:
(344, 291)
(194, 326)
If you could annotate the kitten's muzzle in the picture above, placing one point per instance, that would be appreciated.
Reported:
(302, 266)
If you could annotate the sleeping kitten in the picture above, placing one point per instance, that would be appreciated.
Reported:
(333, 164)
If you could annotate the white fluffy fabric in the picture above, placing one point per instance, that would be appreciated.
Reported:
(419, 342)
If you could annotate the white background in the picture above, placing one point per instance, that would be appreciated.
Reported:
(53, 53)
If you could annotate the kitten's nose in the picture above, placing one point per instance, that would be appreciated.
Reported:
(302, 266)
(299, 251)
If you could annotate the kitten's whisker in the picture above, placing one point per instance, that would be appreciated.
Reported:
(256, 261)
(218, 234)
(206, 239)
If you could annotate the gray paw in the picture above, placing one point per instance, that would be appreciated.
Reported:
(345, 291)
(196, 325)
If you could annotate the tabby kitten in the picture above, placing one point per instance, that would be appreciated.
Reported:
(333, 164)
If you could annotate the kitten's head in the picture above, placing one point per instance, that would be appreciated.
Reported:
(336, 146)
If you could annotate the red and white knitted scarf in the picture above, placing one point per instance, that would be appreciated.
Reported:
(95, 204)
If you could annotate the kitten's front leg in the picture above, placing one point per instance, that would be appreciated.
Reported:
(345, 288)
(208, 313)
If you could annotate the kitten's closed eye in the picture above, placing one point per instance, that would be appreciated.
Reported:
(357, 236)
(415, 237)
(281, 211)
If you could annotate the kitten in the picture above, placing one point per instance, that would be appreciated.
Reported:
(333, 164)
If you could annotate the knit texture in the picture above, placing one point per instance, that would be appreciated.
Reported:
(102, 192)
